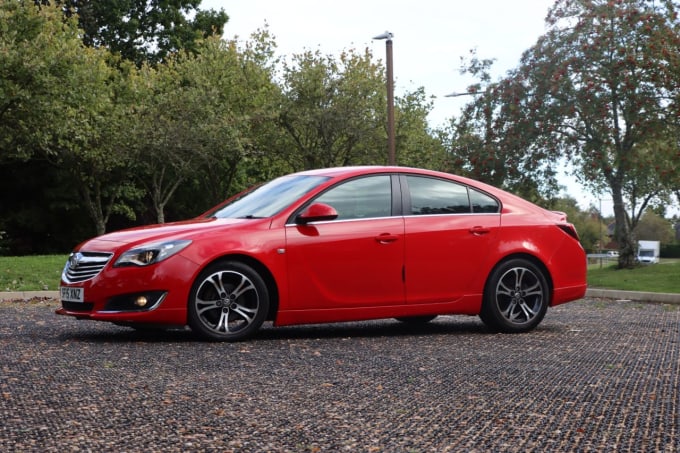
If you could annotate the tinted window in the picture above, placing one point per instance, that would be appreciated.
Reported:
(482, 202)
(436, 196)
(361, 198)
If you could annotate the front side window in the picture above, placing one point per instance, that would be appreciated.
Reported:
(437, 196)
(360, 198)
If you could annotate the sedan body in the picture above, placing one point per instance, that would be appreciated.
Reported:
(331, 245)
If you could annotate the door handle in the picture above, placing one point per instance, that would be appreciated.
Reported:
(479, 230)
(386, 238)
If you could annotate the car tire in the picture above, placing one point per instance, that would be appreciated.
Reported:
(516, 297)
(416, 320)
(228, 302)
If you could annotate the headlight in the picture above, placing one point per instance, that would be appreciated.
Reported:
(151, 253)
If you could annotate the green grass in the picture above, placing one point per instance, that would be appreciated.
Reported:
(40, 273)
(656, 278)
(31, 273)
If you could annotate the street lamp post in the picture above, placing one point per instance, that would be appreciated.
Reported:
(391, 147)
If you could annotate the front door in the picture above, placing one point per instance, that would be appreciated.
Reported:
(353, 261)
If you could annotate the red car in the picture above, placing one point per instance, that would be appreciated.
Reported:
(339, 244)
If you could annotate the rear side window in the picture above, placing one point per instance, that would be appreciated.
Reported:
(483, 203)
(437, 196)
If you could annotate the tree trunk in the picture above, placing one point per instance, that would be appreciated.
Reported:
(623, 232)
(94, 207)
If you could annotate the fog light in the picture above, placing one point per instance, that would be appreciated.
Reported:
(141, 301)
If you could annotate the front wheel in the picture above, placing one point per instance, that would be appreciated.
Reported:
(228, 302)
(516, 297)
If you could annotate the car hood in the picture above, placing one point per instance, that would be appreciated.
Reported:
(188, 229)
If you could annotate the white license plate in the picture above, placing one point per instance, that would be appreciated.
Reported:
(70, 294)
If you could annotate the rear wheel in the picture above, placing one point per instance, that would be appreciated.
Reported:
(516, 297)
(228, 301)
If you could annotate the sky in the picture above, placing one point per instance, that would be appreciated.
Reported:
(429, 39)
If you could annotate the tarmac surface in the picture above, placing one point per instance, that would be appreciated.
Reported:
(596, 375)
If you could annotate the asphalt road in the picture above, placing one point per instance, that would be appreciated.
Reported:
(597, 375)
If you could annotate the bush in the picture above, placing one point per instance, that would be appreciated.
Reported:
(670, 251)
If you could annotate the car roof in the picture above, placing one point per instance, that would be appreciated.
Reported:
(336, 172)
(366, 169)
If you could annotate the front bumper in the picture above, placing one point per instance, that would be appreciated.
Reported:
(157, 294)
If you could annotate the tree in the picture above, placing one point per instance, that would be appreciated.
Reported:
(242, 102)
(416, 144)
(601, 88)
(333, 110)
(58, 105)
(38, 51)
(200, 116)
(145, 30)
(485, 142)
(653, 227)
(97, 120)
(165, 146)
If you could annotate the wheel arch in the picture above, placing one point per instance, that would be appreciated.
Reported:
(262, 270)
(531, 258)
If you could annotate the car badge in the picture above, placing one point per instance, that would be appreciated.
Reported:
(75, 260)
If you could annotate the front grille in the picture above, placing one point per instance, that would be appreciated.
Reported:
(83, 266)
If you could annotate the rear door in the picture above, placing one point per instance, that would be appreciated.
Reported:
(451, 232)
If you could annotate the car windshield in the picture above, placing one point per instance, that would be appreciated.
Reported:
(269, 199)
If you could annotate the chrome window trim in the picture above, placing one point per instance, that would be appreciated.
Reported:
(416, 216)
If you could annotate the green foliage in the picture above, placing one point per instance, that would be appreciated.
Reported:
(416, 145)
(487, 142)
(90, 150)
(653, 227)
(200, 114)
(39, 53)
(334, 114)
(145, 31)
(57, 101)
(332, 110)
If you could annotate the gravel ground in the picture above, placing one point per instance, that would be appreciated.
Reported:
(596, 375)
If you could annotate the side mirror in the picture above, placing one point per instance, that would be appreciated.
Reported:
(316, 212)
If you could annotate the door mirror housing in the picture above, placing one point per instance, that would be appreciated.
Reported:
(316, 212)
